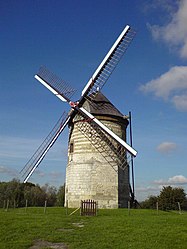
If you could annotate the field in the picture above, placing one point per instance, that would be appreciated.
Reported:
(115, 229)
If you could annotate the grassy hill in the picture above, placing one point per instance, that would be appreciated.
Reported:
(115, 229)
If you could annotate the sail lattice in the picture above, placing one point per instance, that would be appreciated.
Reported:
(40, 153)
(106, 70)
(111, 150)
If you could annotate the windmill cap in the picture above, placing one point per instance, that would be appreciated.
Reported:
(100, 105)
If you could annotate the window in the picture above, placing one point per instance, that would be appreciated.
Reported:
(71, 147)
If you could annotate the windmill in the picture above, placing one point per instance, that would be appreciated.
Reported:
(99, 133)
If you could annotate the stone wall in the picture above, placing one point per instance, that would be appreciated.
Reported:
(89, 176)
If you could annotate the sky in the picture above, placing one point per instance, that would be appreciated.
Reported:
(71, 38)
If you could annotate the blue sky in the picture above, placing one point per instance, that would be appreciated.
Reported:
(71, 38)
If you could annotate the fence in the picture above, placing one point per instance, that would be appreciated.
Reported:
(88, 208)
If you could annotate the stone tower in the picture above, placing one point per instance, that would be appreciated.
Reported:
(88, 174)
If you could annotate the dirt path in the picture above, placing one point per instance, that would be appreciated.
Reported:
(39, 244)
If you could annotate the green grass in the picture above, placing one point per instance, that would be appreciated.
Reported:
(113, 229)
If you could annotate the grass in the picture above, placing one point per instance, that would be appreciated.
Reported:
(110, 229)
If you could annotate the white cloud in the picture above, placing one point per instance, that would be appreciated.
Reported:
(174, 33)
(40, 173)
(14, 150)
(143, 191)
(147, 189)
(170, 82)
(180, 102)
(8, 171)
(175, 180)
(166, 147)
(171, 86)
(16, 147)
(51, 176)
(178, 179)
(55, 174)
(167, 5)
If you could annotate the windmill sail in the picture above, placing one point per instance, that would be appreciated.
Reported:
(113, 152)
(56, 85)
(109, 63)
(39, 155)
(121, 142)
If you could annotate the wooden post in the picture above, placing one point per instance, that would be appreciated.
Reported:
(14, 203)
(157, 206)
(74, 211)
(7, 205)
(81, 208)
(66, 207)
(45, 206)
(4, 204)
(26, 203)
(179, 206)
(129, 207)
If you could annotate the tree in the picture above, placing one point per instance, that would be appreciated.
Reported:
(51, 194)
(16, 194)
(169, 198)
(12, 192)
(3, 198)
(61, 196)
(37, 196)
(150, 202)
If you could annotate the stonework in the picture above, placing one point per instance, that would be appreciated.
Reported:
(88, 174)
